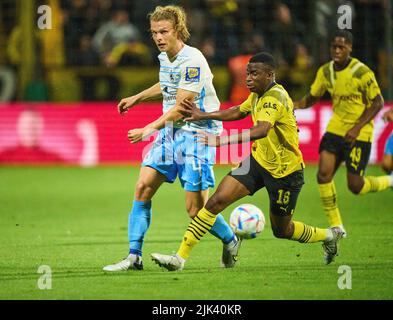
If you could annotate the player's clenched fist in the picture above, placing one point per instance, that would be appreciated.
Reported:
(139, 134)
(135, 135)
(127, 103)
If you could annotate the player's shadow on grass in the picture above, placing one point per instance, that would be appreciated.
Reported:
(97, 272)
(164, 275)
(70, 244)
(91, 273)
(95, 243)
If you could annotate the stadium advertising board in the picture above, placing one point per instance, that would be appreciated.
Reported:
(88, 134)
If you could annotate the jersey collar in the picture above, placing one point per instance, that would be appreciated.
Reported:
(268, 88)
(350, 60)
(177, 55)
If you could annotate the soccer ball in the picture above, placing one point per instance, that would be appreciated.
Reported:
(247, 221)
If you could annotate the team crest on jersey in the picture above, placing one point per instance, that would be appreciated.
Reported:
(174, 77)
(193, 74)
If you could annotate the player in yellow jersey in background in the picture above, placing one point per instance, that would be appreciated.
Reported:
(275, 162)
(356, 100)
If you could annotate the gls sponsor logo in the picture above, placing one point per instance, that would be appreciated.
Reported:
(270, 105)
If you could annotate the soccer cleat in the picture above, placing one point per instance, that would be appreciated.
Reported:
(330, 247)
(343, 230)
(230, 253)
(169, 262)
(132, 262)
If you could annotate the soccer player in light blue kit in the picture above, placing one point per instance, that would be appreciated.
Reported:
(184, 74)
(387, 160)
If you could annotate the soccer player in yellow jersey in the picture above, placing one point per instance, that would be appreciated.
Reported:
(275, 163)
(356, 101)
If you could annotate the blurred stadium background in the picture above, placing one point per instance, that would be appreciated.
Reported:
(59, 87)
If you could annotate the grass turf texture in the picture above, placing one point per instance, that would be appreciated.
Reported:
(75, 221)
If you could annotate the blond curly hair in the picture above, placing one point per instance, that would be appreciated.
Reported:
(176, 15)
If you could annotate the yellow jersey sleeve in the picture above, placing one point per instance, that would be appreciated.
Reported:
(246, 106)
(370, 85)
(319, 85)
(268, 109)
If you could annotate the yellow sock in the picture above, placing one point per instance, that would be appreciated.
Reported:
(375, 184)
(307, 234)
(198, 227)
(328, 195)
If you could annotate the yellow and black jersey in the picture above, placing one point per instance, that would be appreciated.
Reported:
(352, 90)
(279, 152)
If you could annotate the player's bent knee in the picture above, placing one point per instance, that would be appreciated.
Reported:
(355, 188)
(143, 191)
(193, 211)
(216, 204)
(324, 177)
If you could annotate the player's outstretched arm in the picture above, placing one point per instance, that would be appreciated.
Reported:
(192, 113)
(366, 117)
(173, 115)
(306, 102)
(152, 93)
(259, 131)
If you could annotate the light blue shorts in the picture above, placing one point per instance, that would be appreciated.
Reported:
(176, 152)
(389, 145)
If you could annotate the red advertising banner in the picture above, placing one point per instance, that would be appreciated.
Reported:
(88, 134)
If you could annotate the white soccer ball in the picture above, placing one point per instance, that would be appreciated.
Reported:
(247, 221)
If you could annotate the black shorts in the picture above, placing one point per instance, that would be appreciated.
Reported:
(283, 192)
(355, 157)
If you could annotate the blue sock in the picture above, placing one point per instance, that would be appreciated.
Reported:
(138, 223)
(222, 230)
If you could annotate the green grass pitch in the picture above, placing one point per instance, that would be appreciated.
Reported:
(75, 221)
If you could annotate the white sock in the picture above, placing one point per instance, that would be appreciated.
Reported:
(134, 257)
(233, 241)
(329, 235)
(180, 258)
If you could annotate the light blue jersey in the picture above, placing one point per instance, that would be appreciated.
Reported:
(189, 71)
(176, 152)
